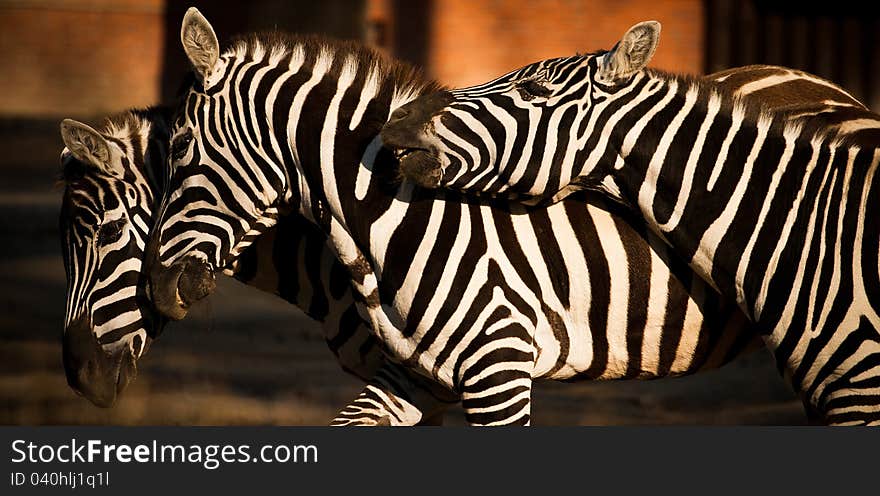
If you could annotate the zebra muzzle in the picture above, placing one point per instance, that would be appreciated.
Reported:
(196, 282)
(421, 167)
(91, 371)
(408, 133)
(176, 288)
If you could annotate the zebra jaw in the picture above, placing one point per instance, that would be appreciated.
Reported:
(421, 167)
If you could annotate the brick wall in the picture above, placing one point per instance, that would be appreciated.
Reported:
(84, 58)
(92, 57)
(79, 57)
(470, 41)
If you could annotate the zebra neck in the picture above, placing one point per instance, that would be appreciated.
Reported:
(341, 180)
(737, 192)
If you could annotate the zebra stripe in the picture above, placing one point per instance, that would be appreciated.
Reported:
(104, 228)
(771, 207)
(479, 297)
(104, 282)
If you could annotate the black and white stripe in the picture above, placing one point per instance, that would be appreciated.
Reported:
(107, 214)
(479, 297)
(776, 210)
(104, 225)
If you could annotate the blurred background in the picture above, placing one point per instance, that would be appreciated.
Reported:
(247, 357)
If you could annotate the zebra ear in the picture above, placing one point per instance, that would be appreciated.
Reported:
(199, 42)
(87, 145)
(632, 53)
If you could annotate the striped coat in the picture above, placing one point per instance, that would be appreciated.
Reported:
(775, 214)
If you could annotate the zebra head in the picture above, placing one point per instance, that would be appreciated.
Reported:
(513, 136)
(260, 134)
(212, 210)
(105, 218)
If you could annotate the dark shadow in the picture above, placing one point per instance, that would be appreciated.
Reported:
(838, 41)
(412, 30)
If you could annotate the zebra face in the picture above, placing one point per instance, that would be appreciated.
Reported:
(446, 139)
(518, 135)
(193, 235)
(211, 213)
(213, 208)
(104, 222)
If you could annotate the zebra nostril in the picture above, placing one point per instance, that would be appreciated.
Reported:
(196, 281)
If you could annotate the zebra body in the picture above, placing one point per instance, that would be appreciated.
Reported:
(777, 215)
(290, 125)
(111, 180)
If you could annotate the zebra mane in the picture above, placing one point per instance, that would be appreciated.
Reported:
(123, 124)
(756, 111)
(594, 53)
(279, 47)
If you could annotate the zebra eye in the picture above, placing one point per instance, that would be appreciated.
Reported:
(531, 88)
(110, 232)
(181, 145)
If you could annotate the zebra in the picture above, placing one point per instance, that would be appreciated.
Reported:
(280, 124)
(112, 179)
(774, 214)
(147, 132)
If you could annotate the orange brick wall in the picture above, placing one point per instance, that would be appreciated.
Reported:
(90, 57)
(76, 58)
(472, 41)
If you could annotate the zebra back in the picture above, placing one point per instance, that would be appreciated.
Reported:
(801, 97)
(773, 208)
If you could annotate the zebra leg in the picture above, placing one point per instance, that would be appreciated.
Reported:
(845, 384)
(395, 397)
(504, 398)
(496, 383)
(853, 399)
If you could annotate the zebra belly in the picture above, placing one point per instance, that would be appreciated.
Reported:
(599, 302)
(658, 319)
